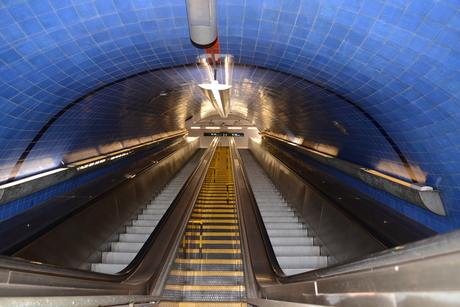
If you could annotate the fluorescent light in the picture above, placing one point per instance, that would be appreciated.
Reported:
(20, 181)
(212, 127)
(195, 127)
(235, 127)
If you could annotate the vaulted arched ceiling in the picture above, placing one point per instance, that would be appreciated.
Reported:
(76, 77)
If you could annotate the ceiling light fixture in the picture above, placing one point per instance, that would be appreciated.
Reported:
(219, 95)
(212, 127)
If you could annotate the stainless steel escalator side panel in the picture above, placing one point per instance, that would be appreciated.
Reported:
(23, 278)
(339, 236)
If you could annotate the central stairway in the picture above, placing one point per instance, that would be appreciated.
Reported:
(208, 270)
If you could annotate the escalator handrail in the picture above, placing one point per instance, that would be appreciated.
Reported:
(142, 279)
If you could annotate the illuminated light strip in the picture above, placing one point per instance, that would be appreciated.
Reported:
(234, 127)
(20, 181)
(212, 127)
(195, 127)
(88, 165)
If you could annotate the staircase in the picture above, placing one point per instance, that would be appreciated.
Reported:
(129, 242)
(208, 270)
(295, 251)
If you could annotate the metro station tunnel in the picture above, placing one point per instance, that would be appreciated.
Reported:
(306, 155)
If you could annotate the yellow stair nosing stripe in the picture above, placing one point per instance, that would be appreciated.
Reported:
(210, 250)
(209, 261)
(207, 273)
(237, 288)
(212, 241)
(212, 234)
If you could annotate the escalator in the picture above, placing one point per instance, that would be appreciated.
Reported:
(208, 269)
(130, 241)
(212, 248)
(295, 249)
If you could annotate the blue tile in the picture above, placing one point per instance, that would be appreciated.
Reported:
(410, 21)
(40, 6)
(111, 20)
(31, 26)
(50, 20)
(309, 8)
(68, 15)
(448, 37)
(346, 17)
(26, 49)
(442, 12)
(87, 10)
(12, 33)
(400, 36)
(436, 51)
(20, 11)
(418, 43)
(390, 14)
(123, 5)
(364, 23)
(105, 7)
(429, 29)
(58, 4)
(421, 7)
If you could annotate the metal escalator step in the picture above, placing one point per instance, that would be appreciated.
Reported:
(287, 232)
(297, 271)
(275, 225)
(280, 219)
(220, 288)
(295, 250)
(133, 237)
(150, 217)
(128, 247)
(209, 261)
(275, 209)
(139, 229)
(217, 215)
(205, 280)
(207, 273)
(154, 211)
(107, 268)
(213, 234)
(117, 257)
(302, 262)
(300, 241)
(202, 304)
(145, 223)
(210, 251)
(277, 214)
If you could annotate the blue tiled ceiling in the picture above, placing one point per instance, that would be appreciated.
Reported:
(392, 62)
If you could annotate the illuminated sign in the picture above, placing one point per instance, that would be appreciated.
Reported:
(223, 134)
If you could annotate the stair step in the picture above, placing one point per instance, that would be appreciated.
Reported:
(286, 241)
(281, 219)
(287, 232)
(302, 262)
(107, 268)
(295, 250)
(126, 247)
(117, 257)
(133, 237)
